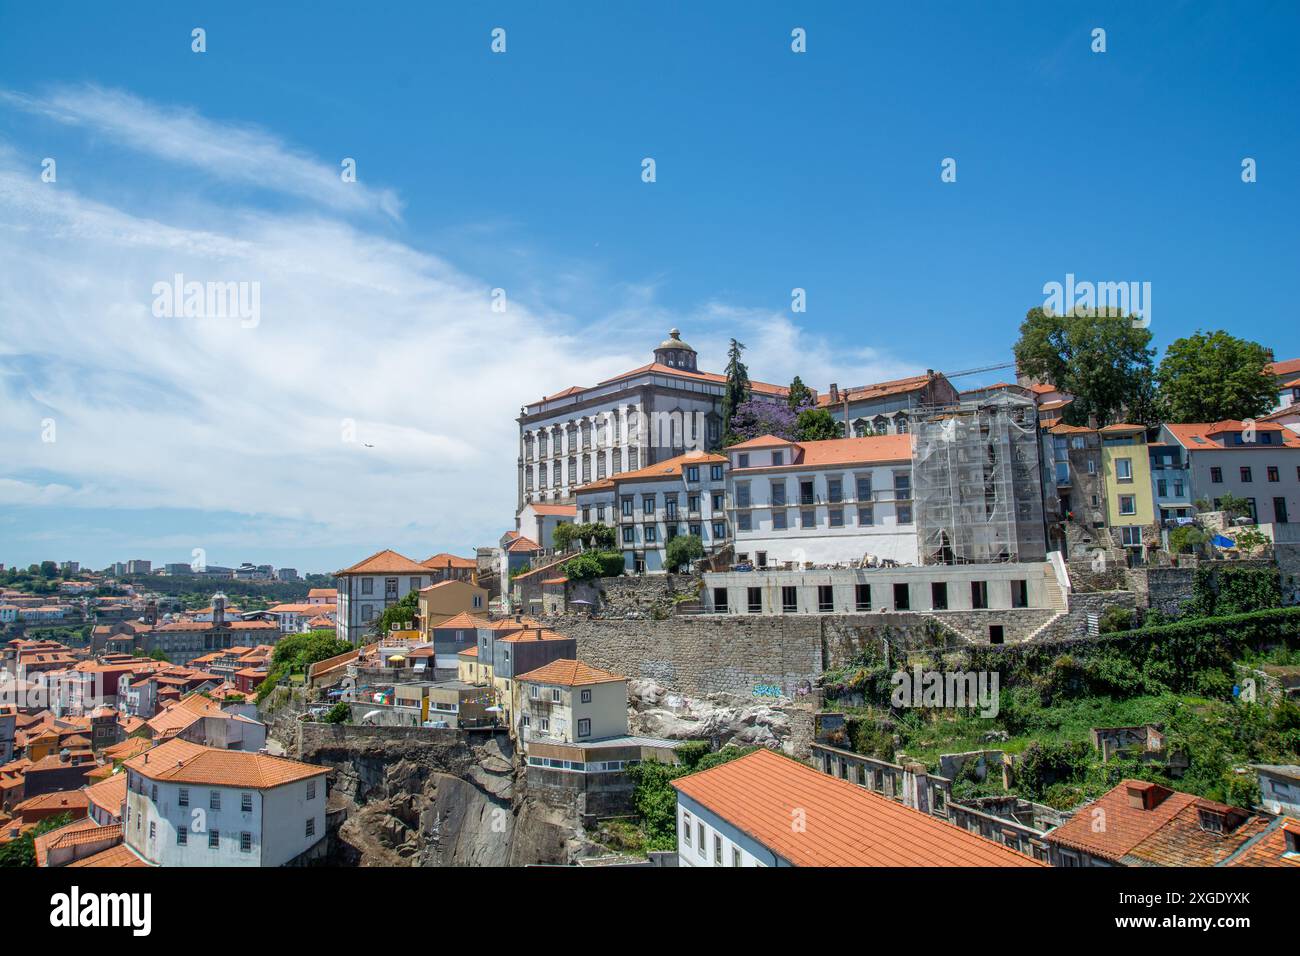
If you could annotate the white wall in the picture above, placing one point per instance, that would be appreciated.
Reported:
(707, 826)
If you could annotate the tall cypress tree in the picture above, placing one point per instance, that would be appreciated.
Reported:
(737, 390)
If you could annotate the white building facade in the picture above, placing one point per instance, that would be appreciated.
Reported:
(658, 411)
(186, 808)
(825, 502)
(370, 586)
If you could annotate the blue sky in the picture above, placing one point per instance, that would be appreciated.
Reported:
(522, 171)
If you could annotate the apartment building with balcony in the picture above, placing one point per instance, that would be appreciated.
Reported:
(823, 502)
(1258, 461)
(884, 408)
(1171, 483)
(651, 506)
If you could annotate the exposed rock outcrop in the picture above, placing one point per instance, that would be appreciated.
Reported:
(437, 798)
(721, 719)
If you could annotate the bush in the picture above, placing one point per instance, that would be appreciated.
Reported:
(594, 564)
(338, 714)
(1115, 618)
(682, 550)
(591, 534)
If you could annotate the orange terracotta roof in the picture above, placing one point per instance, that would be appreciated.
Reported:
(762, 388)
(1285, 367)
(1071, 430)
(323, 592)
(846, 825)
(70, 801)
(535, 633)
(1270, 849)
(108, 794)
(468, 652)
(897, 386)
(568, 673)
(444, 560)
(521, 544)
(119, 855)
(671, 467)
(843, 451)
(561, 511)
(461, 621)
(1126, 825)
(559, 580)
(1122, 428)
(1199, 436)
(385, 562)
(128, 748)
(180, 761)
(77, 833)
(1184, 841)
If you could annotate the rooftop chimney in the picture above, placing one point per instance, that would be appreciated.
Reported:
(1092, 422)
(1146, 796)
(835, 392)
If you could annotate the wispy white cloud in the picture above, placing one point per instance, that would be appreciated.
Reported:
(242, 154)
(373, 405)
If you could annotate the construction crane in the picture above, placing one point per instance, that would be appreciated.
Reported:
(982, 368)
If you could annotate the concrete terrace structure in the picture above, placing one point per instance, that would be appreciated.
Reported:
(822, 502)
(639, 418)
(764, 809)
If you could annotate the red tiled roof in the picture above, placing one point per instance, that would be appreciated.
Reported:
(561, 511)
(183, 762)
(1270, 849)
(1285, 367)
(444, 560)
(671, 467)
(845, 825)
(897, 386)
(763, 388)
(842, 451)
(1125, 826)
(523, 544)
(569, 673)
(385, 562)
(119, 855)
(1188, 433)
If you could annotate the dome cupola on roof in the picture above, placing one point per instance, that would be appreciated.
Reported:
(675, 353)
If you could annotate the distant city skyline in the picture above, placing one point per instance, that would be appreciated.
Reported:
(363, 395)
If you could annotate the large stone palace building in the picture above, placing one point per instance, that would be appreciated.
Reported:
(638, 418)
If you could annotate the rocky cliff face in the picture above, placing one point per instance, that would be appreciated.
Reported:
(437, 798)
(721, 719)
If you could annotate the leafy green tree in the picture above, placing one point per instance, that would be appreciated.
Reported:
(682, 550)
(736, 392)
(403, 613)
(801, 395)
(340, 713)
(49, 569)
(1212, 376)
(817, 424)
(1103, 359)
(22, 851)
(1187, 539)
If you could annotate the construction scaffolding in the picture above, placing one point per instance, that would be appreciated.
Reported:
(976, 482)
